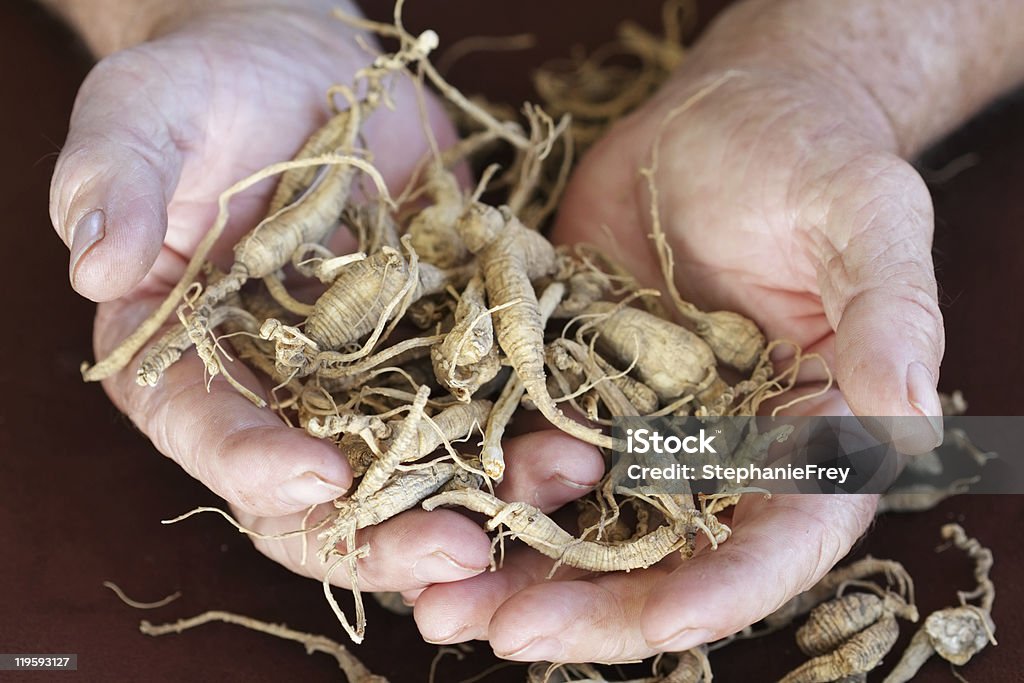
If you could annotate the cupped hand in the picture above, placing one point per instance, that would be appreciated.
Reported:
(783, 197)
(158, 131)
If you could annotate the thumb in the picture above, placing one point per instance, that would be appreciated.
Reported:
(116, 174)
(879, 292)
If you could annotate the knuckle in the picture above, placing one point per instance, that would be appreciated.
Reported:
(231, 456)
(865, 191)
(839, 524)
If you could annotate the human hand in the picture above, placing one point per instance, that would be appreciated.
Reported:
(159, 130)
(785, 197)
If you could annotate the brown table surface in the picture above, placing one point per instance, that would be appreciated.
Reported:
(81, 492)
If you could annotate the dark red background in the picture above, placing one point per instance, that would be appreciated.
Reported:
(82, 493)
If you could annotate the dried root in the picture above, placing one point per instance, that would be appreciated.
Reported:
(955, 633)
(533, 527)
(440, 327)
(826, 588)
(858, 655)
(849, 635)
(354, 670)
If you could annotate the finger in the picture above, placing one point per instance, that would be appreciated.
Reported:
(879, 291)
(117, 172)
(587, 620)
(779, 547)
(457, 612)
(407, 553)
(548, 469)
(243, 453)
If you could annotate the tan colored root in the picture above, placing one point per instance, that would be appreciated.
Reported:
(860, 654)
(527, 523)
(833, 623)
(492, 454)
(360, 512)
(511, 133)
(121, 355)
(468, 357)
(669, 359)
(511, 256)
(370, 427)
(170, 347)
(400, 448)
(402, 494)
(544, 133)
(275, 285)
(921, 497)
(330, 367)
(330, 137)
(316, 261)
(140, 605)
(354, 670)
(826, 588)
(640, 396)
(609, 386)
(242, 529)
(472, 337)
(955, 633)
(453, 423)
(691, 666)
(985, 591)
(914, 657)
(126, 350)
(432, 230)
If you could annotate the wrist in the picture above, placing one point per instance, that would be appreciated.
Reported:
(904, 74)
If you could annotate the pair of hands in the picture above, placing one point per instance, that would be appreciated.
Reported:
(783, 196)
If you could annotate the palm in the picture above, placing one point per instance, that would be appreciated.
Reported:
(742, 213)
(167, 126)
(737, 203)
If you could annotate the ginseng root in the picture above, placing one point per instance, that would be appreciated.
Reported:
(955, 633)
(834, 622)
(354, 670)
(511, 255)
(533, 527)
(826, 588)
(858, 655)
(668, 358)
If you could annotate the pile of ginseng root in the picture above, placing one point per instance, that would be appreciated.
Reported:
(414, 352)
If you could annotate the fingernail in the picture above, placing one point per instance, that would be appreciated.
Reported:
(550, 493)
(89, 230)
(683, 640)
(573, 484)
(309, 488)
(439, 567)
(922, 396)
(540, 649)
(446, 639)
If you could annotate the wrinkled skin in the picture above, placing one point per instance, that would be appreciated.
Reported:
(783, 198)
